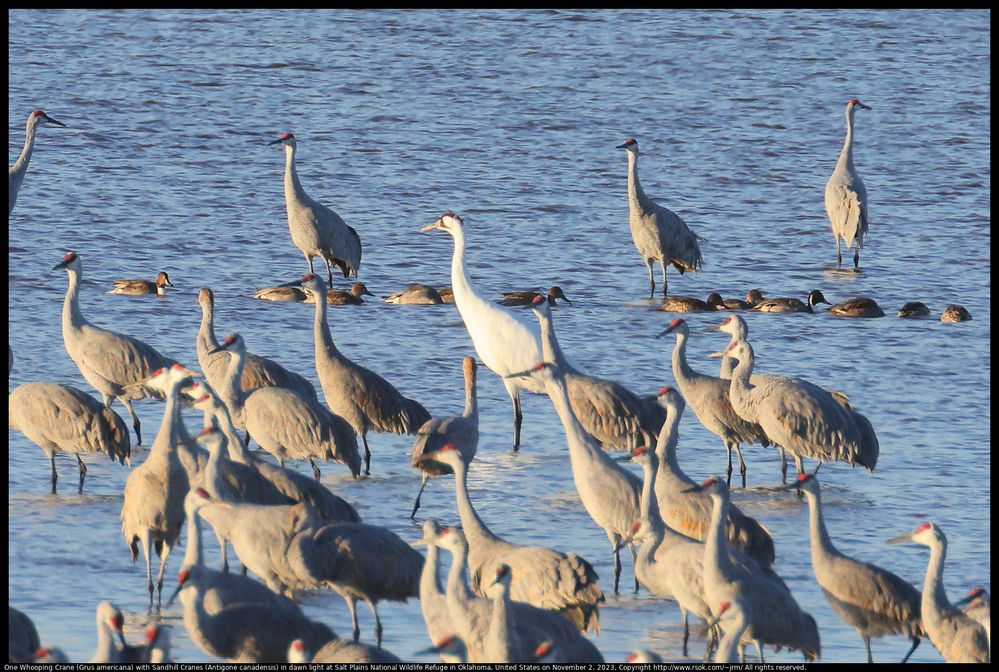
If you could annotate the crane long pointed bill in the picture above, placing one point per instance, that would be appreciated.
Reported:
(176, 592)
(429, 650)
(121, 637)
(274, 142)
(713, 327)
(964, 601)
(418, 542)
(59, 123)
(720, 353)
(862, 106)
(62, 264)
(901, 539)
(435, 225)
(693, 488)
(622, 544)
(622, 145)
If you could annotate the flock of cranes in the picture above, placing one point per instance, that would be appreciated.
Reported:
(688, 542)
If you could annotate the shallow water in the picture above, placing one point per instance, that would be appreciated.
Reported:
(511, 118)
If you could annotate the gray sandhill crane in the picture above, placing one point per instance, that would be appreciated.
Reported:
(139, 287)
(669, 564)
(527, 298)
(358, 395)
(22, 636)
(341, 651)
(643, 656)
(659, 234)
(451, 646)
(732, 620)
(295, 486)
(109, 620)
(340, 297)
(502, 645)
(285, 424)
(708, 396)
(257, 372)
(505, 342)
(153, 508)
(112, 363)
(773, 615)
(461, 431)
(543, 577)
(860, 306)
(415, 294)
(958, 638)
(689, 513)
(157, 648)
(846, 196)
(869, 599)
(48, 655)
(63, 419)
(608, 411)
(978, 606)
(15, 174)
(359, 562)
(433, 600)
(791, 305)
(315, 229)
(232, 616)
(471, 614)
(610, 493)
(802, 418)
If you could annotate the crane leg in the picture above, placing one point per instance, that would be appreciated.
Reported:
(634, 562)
(315, 469)
(246, 439)
(159, 577)
(518, 419)
(915, 643)
(416, 504)
(728, 474)
(225, 555)
(759, 649)
(367, 455)
(147, 551)
(617, 561)
(378, 622)
(308, 258)
(742, 654)
(686, 631)
(352, 606)
(662, 264)
(329, 271)
(135, 421)
(867, 645)
(652, 279)
(742, 464)
(856, 258)
(55, 477)
(783, 466)
(839, 254)
(83, 472)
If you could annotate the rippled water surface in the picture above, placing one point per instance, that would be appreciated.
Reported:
(511, 118)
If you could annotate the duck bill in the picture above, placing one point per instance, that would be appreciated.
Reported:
(566, 299)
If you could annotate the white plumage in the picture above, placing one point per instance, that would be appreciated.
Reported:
(846, 196)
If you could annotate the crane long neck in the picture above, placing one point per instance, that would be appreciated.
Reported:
(230, 389)
(846, 154)
(72, 316)
(681, 369)
(105, 645)
(459, 595)
(649, 509)
(472, 525)
(822, 546)
(667, 441)
(461, 284)
(292, 186)
(581, 444)
(206, 332)
(716, 544)
(213, 475)
(635, 193)
(237, 449)
(550, 348)
(501, 630)
(740, 386)
(171, 417)
(934, 595)
(194, 554)
(471, 395)
(728, 649)
(430, 585)
(325, 347)
(20, 166)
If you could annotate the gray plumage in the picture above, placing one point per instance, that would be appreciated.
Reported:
(280, 293)
(359, 562)
(461, 431)
(342, 651)
(543, 577)
(608, 411)
(867, 598)
(433, 600)
(708, 397)
(63, 419)
(860, 306)
(979, 607)
(846, 195)
(112, 363)
(958, 638)
(16, 173)
(773, 615)
(690, 304)
(22, 636)
(109, 620)
(659, 234)
(791, 305)
(153, 509)
(471, 615)
(526, 298)
(415, 294)
(315, 229)
(285, 424)
(358, 395)
(341, 297)
(801, 417)
(257, 372)
(139, 287)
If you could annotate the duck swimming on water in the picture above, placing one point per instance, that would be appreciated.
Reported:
(791, 305)
(136, 287)
(860, 306)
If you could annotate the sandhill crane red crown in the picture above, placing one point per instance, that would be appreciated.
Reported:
(15, 175)
(315, 229)
(846, 195)
(659, 233)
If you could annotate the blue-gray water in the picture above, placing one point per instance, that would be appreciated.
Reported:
(511, 118)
